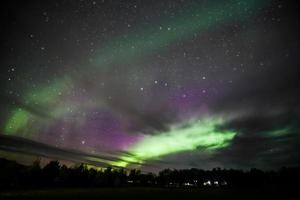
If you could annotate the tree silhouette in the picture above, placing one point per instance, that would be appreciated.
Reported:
(51, 172)
(14, 175)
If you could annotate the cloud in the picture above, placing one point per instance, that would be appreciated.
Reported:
(29, 147)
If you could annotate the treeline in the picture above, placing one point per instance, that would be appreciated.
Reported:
(14, 175)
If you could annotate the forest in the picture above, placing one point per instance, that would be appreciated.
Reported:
(15, 175)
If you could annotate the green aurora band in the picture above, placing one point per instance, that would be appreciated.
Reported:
(279, 132)
(44, 98)
(18, 120)
(129, 49)
(190, 136)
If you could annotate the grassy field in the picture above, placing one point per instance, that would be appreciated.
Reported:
(143, 193)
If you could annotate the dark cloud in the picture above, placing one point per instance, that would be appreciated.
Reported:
(261, 152)
(24, 146)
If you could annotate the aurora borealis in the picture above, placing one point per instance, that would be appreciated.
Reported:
(187, 137)
(151, 84)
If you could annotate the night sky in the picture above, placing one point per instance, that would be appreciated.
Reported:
(151, 84)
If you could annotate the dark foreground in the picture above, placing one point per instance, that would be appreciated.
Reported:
(148, 193)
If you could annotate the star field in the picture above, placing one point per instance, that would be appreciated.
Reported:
(152, 84)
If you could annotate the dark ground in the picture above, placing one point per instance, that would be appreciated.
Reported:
(149, 193)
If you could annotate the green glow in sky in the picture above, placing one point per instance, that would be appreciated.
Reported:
(18, 120)
(47, 95)
(185, 137)
(44, 98)
(277, 132)
(194, 20)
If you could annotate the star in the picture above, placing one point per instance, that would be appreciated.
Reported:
(190, 84)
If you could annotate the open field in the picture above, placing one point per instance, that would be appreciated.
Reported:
(145, 193)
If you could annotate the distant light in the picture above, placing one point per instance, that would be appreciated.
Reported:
(223, 183)
(207, 183)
